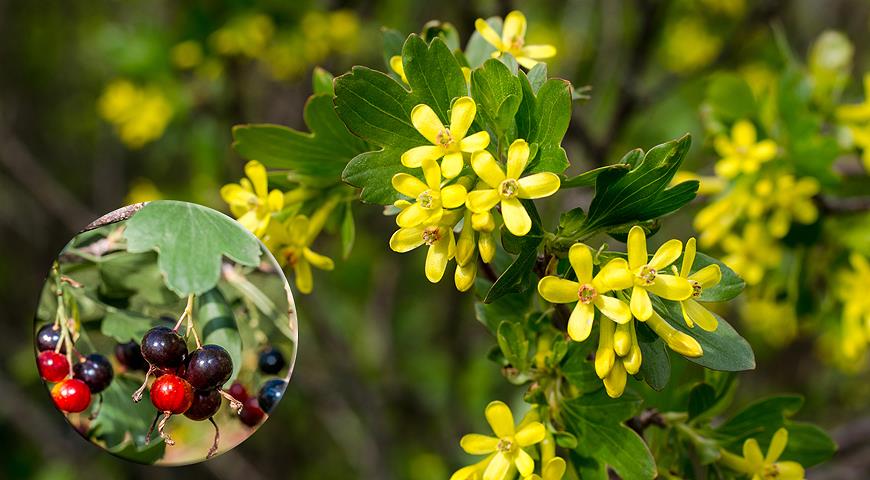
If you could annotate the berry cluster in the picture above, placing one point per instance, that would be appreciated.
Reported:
(74, 386)
(255, 408)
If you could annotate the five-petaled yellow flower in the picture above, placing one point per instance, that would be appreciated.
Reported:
(507, 444)
(647, 276)
(765, 467)
(706, 277)
(554, 469)
(438, 236)
(473, 472)
(742, 152)
(508, 188)
(751, 253)
(447, 142)
(291, 241)
(513, 40)
(588, 291)
(787, 199)
(250, 200)
(431, 198)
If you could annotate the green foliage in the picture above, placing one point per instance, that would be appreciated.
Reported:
(122, 424)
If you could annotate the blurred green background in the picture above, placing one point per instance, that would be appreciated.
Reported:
(104, 103)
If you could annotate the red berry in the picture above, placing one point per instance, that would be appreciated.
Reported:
(71, 395)
(251, 413)
(171, 393)
(238, 391)
(53, 366)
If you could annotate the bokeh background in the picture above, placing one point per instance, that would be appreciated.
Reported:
(104, 103)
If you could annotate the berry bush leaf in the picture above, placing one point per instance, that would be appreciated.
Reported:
(542, 119)
(120, 418)
(596, 420)
(215, 317)
(377, 108)
(498, 94)
(578, 369)
(191, 242)
(124, 325)
(656, 366)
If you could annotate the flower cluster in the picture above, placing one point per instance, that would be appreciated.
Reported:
(630, 285)
(756, 465)
(139, 114)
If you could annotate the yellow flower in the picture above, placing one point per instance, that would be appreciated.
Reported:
(513, 40)
(675, 340)
(250, 200)
(765, 467)
(431, 198)
(859, 112)
(709, 276)
(507, 187)
(140, 115)
(742, 153)
(689, 45)
(396, 65)
(618, 355)
(706, 185)
(473, 472)
(751, 253)
(715, 220)
(772, 319)
(484, 224)
(861, 137)
(448, 143)
(438, 236)
(507, 444)
(647, 276)
(856, 306)
(553, 470)
(142, 190)
(588, 291)
(786, 199)
(291, 241)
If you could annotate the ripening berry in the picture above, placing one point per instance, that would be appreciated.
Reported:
(95, 371)
(171, 393)
(53, 367)
(271, 361)
(163, 348)
(71, 395)
(47, 338)
(251, 413)
(205, 404)
(270, 393)
(209, 367)
(238, 391)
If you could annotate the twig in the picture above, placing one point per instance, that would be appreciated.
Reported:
(116, 216)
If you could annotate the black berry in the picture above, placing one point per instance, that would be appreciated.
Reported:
(205, 404)
(47, 338)
(209, 367)
(95, 371)
(164, 348)
(130, 356)
(270, 393)
(271, 361)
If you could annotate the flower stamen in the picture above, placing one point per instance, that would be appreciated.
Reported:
(696, 288)
(505, 445)
(426, 200)
(431, 235)
(509, 188)
(647, 275)
(586, 294)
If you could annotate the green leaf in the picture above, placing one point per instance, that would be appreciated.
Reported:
(656, 366)
(587, 179)
(498, 94)
(514, 344)
(479, 50)
(322, 154)
(124, 274)
(724, 349)
(537, 76)
(393, 41)
(729, 287)
(596, 420)
(578, 369)
(147, 455)
(377, 108)
(124, 325)
(730, 98)
(215, 317)
(444, 31)
(120, 418)
(701, 398)
(543, 119)
(808, 444)
(511, 308)
(348, 230)
(321, 82)
(513, 279)
(191, 241)
(767, 414)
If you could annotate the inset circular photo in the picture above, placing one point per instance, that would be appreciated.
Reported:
(166, 333)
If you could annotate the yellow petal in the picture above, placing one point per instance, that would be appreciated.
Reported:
(524, 462)
(518, 157)
(614, 275)
(676, 340)
(538, 185)
(516, 219)
(688, 318)
(257, 173)
(452, 164)
(666, 254)
(531, 434)
(479, 201)
(581, 261)
(498, 467)
(414, 157)
(465, 243)
(461, 116)
(464, 276)
(514, 27)
(486, 168)
(554, 469)
(764, 150)
(486, 247)
(605, 357)
(483, 221)
(276, 200)
(298, 229)
(438, 256)
(671, 287)
(539, 51)
(641, 306)
(790, 471)
(527, 62)
(250, 221)
(613, 308)
(580, 323)
(633, 360)
(688, 258)
(396, 65)
(234, 194)
(752, 452)
(320, 261)
(304, 279)
(432, 174)
(728, 167)
(777, 445)
(558, 290)
(474, 142)
(614, 382)
(622, 339)
(413, 216)
(637, 256)
(722, 145)
(500, 419)
(489, 34)
(427, 122)
(453, 196)
(743, 133)
(708, 276)
(406, 239)
(408, 185)
(477, 444)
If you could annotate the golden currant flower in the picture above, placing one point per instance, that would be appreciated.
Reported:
(647, 276)
(856, 307)
(250, 200)
(484, 224)
(675, 340)
(430, 198)
(473, 472)
(752, 253)
(396, 65)
(617, 356)
(508, 443)
(786, 199)
(753, 463)
(588, 291)
(859, 112)
(507, 188)
(742, 152)
(291, 241)
(554, 469)
(709, 276)
(466, 255)
(711, 185)
(716, 220)
(438, 236)
(513, 40)
(447, 142)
